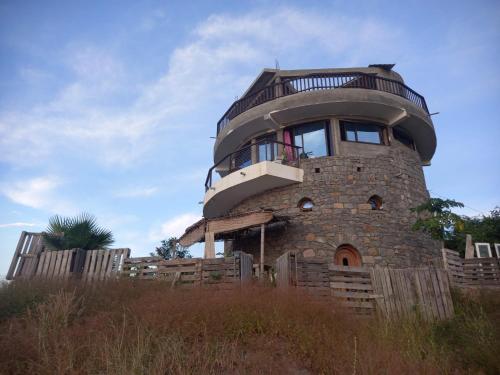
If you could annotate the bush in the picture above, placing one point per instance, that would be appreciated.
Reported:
(128, 327)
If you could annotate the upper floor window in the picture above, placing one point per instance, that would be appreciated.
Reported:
(312, 137)
(402, 136)
(267, 148)
(361, 132)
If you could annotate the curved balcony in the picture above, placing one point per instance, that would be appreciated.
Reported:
(341, 95)
(251, 170)
(325, 81)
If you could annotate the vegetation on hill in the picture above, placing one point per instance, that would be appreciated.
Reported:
(437, 218)
(125, 327)
(171, 249)
(80, 232)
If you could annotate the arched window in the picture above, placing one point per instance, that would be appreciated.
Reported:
(306, 204)
(347, 255)
(376, 202)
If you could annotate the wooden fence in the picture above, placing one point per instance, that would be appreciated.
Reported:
(393, 292)
(32, 259)
(89, 265)
(191, 272)
(25, 258)
(408, 290)
(473, 272)
(351, 286)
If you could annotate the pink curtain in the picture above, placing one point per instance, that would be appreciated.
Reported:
(287, 139)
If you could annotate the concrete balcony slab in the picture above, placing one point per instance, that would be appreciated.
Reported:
(242, 184)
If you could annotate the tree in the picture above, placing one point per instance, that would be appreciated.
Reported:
(436, 218)
(80, 232)
(171, 249)
(482, 229)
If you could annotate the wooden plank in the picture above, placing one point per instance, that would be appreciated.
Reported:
(15, 259)
(356, 286)
(365, 305)
(111, 262)
(437, 294)
(335, 277)
(34, 250)
(46, 265)
(348, 270)
(53, 264)
(99, 260)
(41, 264)
(420, 295)
(64, 261)
(193, 234)
(431, 295)
(378, 289)
(89, 271)
(229, 224)
(355, 295)
(57, 265)
(447, 303)
(25, 263)
(388, 293)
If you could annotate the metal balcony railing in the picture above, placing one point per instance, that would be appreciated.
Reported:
(269, 150)
(323, 81)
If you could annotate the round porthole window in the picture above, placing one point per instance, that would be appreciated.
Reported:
(306, 204)
(376, 202)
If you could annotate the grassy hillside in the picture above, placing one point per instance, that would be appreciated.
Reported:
(147, 328)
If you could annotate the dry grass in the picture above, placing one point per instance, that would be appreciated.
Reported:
(147, 328)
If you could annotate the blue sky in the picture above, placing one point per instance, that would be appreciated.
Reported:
(108, 107)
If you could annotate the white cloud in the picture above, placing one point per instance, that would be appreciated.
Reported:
(136, 192)
(19, 224)
(174, 227)
(38, 192)
(219, 62)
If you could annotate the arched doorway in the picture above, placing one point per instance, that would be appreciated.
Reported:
(347, 255)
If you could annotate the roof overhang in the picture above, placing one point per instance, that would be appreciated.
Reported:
(225, 224)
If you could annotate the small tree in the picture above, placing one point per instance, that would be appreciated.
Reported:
(436, 218)
(484, 228)
(171, 249)
(80, 232)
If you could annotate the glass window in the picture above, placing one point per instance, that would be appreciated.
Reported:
(313, 138)
(483, 250)
(402, 136)
(361, 132)
(267, 149)
(243, 157)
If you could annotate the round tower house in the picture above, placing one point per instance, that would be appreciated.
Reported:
(333, 160)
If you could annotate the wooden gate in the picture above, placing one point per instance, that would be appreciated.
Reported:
(393, 292)
(409, 290)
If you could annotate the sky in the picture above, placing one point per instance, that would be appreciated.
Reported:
(110, 107)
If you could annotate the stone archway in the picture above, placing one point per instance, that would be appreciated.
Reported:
(347, 255)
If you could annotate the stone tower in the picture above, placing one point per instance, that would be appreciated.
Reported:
(335, 156)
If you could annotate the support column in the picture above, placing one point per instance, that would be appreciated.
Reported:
(209, 245)
(254, 155)
(280, 149)
(469, 247)
(262, 238)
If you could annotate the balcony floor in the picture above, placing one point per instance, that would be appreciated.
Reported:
(242, 184)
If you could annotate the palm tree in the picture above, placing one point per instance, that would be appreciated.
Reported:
(76, 232)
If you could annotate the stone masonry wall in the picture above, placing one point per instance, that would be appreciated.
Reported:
(340, 187)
